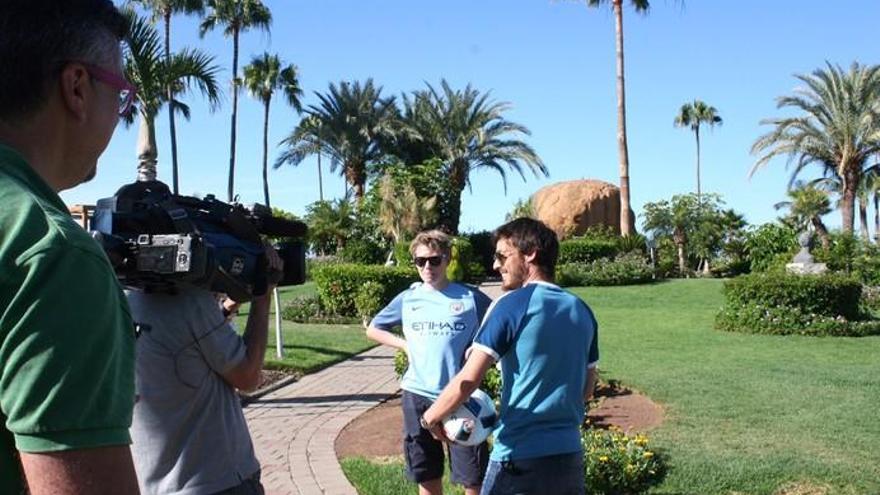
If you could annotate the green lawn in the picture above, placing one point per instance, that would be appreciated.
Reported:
(308, 348)
(386, 478)
(745, 414)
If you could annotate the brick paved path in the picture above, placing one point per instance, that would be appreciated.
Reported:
(295, 428)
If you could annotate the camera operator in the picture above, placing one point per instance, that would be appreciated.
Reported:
(189, 433)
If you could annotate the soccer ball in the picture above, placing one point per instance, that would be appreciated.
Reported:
(473, 421)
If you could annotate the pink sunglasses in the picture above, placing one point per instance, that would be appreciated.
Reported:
(127, 90)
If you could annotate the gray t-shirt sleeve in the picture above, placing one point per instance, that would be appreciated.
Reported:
(222, 348)
(218, 342)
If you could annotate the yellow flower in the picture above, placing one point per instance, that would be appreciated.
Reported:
(603, 458)
(648, 455)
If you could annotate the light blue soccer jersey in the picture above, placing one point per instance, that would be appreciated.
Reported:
(439, 326)
(545, 339)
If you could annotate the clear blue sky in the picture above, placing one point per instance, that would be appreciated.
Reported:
(554, 62)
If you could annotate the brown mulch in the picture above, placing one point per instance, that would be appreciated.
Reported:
(271, 376)
(377, 433)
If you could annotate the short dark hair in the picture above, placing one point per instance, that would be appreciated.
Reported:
(528, 235)
(38, 36)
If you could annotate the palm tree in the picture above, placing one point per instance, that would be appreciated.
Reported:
(693, 115)
(806, 206)
(641, 6)
(401, 212)
(838, 127)
(237, 16)
(468, 132)
(164, 9)
(262, 77)
(152, 73)
(330, 223)
(347, 126)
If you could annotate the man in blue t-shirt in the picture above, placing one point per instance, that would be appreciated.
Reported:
(439, 320)
(547, 343)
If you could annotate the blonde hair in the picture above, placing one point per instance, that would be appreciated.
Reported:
(434, 239)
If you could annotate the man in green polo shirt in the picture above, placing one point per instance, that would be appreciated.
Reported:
(66, 337)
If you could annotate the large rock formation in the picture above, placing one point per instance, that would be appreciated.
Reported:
(570, 207)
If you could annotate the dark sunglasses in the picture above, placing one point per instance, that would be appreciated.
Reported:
(500, 257)
(433, 260)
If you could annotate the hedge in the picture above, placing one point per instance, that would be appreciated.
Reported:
(782, 304)
(829, 295)
(627, 269)
(338, 285)
(586, 250)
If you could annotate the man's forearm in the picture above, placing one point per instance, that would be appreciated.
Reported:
(256, 333)
(101, 470)
(460, 387)
(246, 375)
(590, 387)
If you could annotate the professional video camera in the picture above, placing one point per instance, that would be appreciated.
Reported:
(156, 240)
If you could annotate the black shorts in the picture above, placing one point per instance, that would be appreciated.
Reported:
(424, 455)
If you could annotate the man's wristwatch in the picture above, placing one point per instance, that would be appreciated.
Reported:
(424, 424)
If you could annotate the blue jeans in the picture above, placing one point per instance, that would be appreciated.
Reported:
(557, 474)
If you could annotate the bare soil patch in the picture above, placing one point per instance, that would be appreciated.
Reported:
(378, 432)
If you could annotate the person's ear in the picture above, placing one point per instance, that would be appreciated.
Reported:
(530, 257)
(76, 86)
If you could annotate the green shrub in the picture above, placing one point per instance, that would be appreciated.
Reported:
(362, 251)
(369, 300)
(828, 295)
(632, 242)
(627, 269)
(586, 250)
(307, 309)
(482, 249)
(851, 255)
(781, 304)
(338, 285)
(731, 267)
(401, 254)
(870, 299)
(456, 271)
(770, 243)
(600, 232)
(475, 273)
(618, 464)
(784, 320)
(491, 382)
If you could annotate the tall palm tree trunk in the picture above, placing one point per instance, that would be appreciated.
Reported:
(877, 216)
(822, 231)
(457, 183)
(230, 193)
(356, 177)
(266, 151)
(320, 180)
(626, 221)
(171, 124)
(146, 148)
(699, 191)
(863, 218)
(847, 205)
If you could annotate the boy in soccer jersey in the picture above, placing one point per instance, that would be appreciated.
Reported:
(546, 341)
(439, 320)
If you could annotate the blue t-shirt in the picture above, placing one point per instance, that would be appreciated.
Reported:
(545, 339)
(439, 326)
